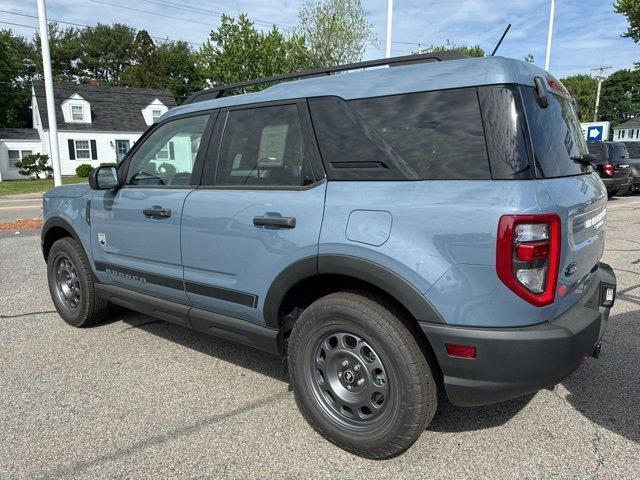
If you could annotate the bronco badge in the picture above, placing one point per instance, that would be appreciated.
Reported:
(102, 239)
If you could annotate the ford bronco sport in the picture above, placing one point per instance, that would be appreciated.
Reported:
(433, 226)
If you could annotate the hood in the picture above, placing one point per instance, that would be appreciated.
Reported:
(68, 191)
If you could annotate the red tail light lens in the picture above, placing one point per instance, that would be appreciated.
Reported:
(609, 169)
(528, 256)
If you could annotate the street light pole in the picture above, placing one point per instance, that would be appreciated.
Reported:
(54, 152)
(600, 79)
(550, 35)
(389, 26)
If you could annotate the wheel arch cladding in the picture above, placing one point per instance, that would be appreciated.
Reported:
(54, 229)
(313, 269)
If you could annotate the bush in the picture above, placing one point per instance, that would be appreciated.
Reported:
(167, 169)
(84, 170)
(33, 165)
(109, 164)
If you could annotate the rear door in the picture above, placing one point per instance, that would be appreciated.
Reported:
(578, 192)
(260, 213)
(135, 230)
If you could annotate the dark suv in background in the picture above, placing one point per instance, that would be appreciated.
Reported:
(612, 163)
(633, 148)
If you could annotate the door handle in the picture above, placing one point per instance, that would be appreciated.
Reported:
(157, 212)
(282, 222)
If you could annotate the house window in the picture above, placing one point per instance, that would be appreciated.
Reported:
(156, 114)
(630, 133)
(77, 113)
(622, 132)
(82, 149)
(14, 156)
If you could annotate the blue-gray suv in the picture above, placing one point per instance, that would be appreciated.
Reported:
(431, 225)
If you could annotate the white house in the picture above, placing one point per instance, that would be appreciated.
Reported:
(628, 131)
(96, 124)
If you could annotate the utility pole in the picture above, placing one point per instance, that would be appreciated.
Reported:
(547, 62)
(600, 77)
(48, 88)
(389, 26)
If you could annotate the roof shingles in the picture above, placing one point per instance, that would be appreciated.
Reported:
(112, 108)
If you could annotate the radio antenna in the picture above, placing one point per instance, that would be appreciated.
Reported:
(504, 34)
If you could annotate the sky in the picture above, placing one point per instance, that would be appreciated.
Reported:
(586, 32)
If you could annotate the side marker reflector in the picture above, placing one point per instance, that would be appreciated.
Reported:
(461, 351)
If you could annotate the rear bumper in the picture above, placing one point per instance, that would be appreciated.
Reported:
(615, 184)
(511, 362)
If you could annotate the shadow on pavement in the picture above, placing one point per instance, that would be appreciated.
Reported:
(606, 390)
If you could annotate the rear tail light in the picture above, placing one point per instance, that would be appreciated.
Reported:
(609, 169)
(528, 256)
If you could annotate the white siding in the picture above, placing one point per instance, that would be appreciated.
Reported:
(10, 173)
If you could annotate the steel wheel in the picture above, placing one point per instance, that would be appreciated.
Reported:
(67, 283)
(349, 379)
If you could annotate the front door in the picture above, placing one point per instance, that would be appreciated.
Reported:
(135, 230)
(122, 147)
(261, 214)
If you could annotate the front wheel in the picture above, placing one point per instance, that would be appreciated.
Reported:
(71, 285)
(359, 375)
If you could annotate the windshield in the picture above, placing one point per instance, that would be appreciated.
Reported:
(619, 152)
(556, 135)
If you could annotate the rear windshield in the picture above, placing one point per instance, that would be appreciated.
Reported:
(555, 134)
(618, 152)
(599, 150)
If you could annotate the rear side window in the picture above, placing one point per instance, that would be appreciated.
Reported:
(504, 127)
(438, 134)
(556, 135)
(264, 147)
(600, 151)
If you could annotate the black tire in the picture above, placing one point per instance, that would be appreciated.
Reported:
(612, 194)
(77, 303)
(411, 396)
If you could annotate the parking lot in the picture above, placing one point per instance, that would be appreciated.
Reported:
(140, 398)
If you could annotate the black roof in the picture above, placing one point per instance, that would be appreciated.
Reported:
(19, 134)
(112, 108)
(633, 123)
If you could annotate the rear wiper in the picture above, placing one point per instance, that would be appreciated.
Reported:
(586, 159)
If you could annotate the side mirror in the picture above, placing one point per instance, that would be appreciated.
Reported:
(104, 178)
(541, 92)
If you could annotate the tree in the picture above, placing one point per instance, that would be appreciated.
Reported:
(620, 96)
(64, 46)
(106, 50)
(471, 50)
(335, 31)
(33, 165)
(583, 88)
(15, 72)
(236, 52)
(529, 58)
(631, 10)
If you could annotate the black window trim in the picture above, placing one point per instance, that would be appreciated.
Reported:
(209, 173)
(198, 166)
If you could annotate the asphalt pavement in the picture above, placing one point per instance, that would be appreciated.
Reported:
(14, 207)
(139, 398)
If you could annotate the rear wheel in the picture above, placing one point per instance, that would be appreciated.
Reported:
(71, 285)
(359, 375)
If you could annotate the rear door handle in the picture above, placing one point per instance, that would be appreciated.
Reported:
(282, 222)
(157, 212)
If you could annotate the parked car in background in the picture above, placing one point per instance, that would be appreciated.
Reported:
(633, 148)
(353, 225)
(612, 163)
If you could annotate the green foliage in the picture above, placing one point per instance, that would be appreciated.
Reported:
(471, 50)
(33, 165)
(236, 51)
(583, 88)
(167, 169)
(335, 31)
(631, 10)
(84, 170)
(14, 72)
(620, 96)
(106, 51)
(109, 164)
(64, 46)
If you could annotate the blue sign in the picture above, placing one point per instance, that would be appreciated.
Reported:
(595, 133)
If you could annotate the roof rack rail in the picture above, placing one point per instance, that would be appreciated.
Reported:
(217, 92)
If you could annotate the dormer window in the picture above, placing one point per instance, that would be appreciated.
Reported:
(156, 114)
(77, 113)
(154, 111)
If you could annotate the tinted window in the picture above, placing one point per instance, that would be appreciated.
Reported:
(599, 150)
(555, 134)
(634, 149)
(168, 155)
(438, 134)
(618, 152)
(263, 147)
(504, 129)
(350, 149)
